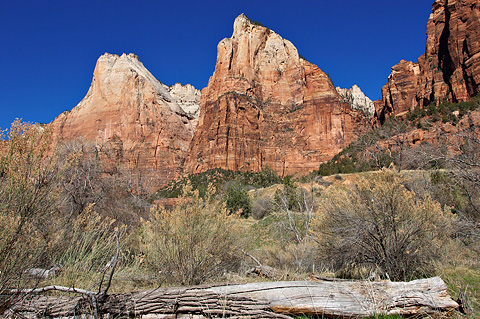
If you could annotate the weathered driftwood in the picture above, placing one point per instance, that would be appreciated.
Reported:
(260, 300)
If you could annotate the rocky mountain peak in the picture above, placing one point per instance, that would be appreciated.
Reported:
(357, 99)
(142, 124)
(240, 23)
(265, 106)
(112, 71)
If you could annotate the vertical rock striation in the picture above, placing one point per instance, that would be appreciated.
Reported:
(139, 122)
(264, 105)
(450, 68)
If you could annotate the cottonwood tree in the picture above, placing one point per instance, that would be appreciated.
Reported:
(463, 161)
(82, 183)
(458, 159)
(457, 153)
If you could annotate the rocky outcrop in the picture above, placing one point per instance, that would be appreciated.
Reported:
(450, 68)
(400, 93)
(187, 97)
(357, 99)
(264, 105)
(140, 123)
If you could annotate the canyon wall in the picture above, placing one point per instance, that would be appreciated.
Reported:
(449, 70)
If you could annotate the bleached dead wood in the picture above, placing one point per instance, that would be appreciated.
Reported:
(41, 273)
(262, 300)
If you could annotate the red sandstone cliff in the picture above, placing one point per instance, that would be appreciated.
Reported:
(449, 69)
(264, 105)
(139, 121)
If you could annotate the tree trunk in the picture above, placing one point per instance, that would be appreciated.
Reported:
(257, 300)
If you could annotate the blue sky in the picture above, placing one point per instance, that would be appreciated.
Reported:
(49, 48)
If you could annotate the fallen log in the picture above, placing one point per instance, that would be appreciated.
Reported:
(257, 300)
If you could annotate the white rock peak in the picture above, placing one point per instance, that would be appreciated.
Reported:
(187, 97)
(180, 99)
(357, 99)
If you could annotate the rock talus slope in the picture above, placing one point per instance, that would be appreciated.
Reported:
(450, 68)
(264, 105)
(139, 122)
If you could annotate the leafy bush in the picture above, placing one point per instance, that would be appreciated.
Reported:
(237, 199)
(196, 242)
(379, 224)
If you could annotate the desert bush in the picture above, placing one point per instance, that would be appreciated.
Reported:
(28, 175)
(116, 193)
(196, 242)
(379, 224)
(261, 207)
(294, 258)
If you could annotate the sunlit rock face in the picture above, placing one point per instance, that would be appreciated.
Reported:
(357, 99)
(264, 105)
(141, 124)
(187, 97)
(450, 68)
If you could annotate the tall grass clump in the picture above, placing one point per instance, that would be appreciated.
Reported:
(88, 245)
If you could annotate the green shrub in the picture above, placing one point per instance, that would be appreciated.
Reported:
(266, 177)
(237, 199)
(287, 196)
